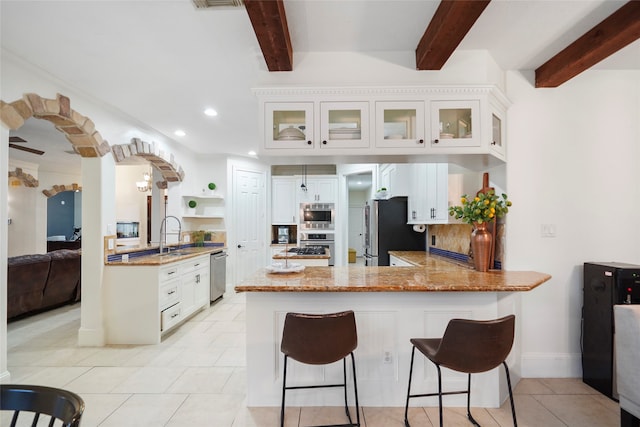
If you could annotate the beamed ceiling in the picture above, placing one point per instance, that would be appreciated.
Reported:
(451, 22)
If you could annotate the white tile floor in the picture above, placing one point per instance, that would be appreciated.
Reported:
(196, 377)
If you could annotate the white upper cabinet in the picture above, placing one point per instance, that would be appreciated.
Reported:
(318, 190)
(428, 195)
(344, 124)
(284, 208)
(463, 125)
(453, 124)
(396, 179)
(400, 124)
(289, 125)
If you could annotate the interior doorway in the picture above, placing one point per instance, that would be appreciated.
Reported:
(359, 188)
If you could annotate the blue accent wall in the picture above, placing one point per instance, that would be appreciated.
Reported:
(60, 214)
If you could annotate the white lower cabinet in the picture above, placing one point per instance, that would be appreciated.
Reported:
(144, 301)
(397, 262)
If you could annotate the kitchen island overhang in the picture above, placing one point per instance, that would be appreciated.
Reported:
(392, 305)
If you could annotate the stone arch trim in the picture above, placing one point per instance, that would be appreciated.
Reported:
(79, 130)
(25, 179)
(61, 188)
(171, 172)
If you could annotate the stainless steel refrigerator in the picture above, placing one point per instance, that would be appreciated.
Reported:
(386, 229)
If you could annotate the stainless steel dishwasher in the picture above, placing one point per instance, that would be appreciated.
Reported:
(218, 274)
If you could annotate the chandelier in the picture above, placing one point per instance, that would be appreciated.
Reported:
(145, 184)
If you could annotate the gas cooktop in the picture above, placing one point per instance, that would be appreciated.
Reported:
(308, 250)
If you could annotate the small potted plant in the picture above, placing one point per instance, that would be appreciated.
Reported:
(212, 187)
(192, 207)
(382, 193)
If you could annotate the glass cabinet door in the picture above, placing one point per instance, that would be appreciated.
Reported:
(344, 124)
(400, 124)
(289, 125)
(453, 123)
(497, 134)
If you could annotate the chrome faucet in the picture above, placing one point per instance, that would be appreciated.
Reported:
(163, 237)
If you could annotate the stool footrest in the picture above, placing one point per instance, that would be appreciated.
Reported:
(313, 386)
(436, 394)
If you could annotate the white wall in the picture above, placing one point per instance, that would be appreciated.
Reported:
(572, 161)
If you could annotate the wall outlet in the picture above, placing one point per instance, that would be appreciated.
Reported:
(388, 357)
(187, 238)
(111, 244)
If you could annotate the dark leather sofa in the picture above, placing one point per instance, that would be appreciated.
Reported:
(40, 282)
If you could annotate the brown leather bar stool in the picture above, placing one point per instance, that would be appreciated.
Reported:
(320, 339)
(469, 346)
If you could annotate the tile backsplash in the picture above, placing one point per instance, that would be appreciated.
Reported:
(457, 238)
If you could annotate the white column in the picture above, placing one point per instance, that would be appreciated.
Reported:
(98, 220)
(4, 172)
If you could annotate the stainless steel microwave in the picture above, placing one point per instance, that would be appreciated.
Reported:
(317, 216)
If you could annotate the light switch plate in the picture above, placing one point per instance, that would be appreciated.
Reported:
(548, 230)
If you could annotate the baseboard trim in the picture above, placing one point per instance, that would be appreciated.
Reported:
(551, 365)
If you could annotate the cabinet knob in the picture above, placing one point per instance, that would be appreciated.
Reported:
(435, 141)
(324, 142)
(421, 141)
(309, 142)
(239, 246)
(493, 143)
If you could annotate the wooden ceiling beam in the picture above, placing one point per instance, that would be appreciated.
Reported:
(269, 22)
(451, 22)
(615, 32)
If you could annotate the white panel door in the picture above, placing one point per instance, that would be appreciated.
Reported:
(356, 229)
(250, 222)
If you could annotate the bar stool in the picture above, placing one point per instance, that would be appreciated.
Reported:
(469, 346)
(320, 339)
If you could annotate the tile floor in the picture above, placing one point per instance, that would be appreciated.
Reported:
(196, 377)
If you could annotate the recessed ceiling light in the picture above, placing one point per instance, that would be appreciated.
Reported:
(211, 112)
(252, 153)
(180, 133)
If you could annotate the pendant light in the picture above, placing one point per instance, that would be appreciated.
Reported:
(303, 186)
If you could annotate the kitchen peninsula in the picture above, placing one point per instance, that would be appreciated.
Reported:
(147, 294)
(392, 305)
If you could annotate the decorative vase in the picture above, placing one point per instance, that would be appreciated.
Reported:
(481, 241)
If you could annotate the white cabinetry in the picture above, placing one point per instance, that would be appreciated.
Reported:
(279, 116)
(344, 124)
(284, 207)
(400, 124)
(340, 124)
(397, 262)
(144, 301)
(194, 276)
(464, 125)
(319, 189)
(454, 123)
(428, 196)
(396, 179)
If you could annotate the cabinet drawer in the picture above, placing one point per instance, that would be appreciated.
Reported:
(194, 264)
(170, 316)
(168, 273)
(169, 294)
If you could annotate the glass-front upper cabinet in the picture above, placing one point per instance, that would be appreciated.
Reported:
(497, 133)
(289, 125)
(453, 124)
(400, 124)
(344, 124)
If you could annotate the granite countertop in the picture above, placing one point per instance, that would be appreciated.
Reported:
(432, 275)
(138, 258)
